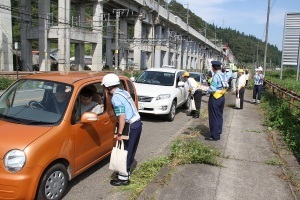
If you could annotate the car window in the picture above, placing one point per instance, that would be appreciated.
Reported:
(89, 99)
(35, 102)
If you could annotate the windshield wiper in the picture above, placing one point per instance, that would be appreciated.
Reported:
(11, 118)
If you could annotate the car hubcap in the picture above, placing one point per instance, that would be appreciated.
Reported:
(173, 111)
(55, 185)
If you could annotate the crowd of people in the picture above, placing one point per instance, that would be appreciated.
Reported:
(222, 80)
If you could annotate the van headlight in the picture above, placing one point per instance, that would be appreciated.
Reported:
(14, 160)
(163, 96)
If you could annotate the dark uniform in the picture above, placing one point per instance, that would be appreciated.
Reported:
(216, 102)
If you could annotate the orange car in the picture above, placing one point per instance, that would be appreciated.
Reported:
(45, 140)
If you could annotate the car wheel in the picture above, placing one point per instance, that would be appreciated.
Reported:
(53, 182)
(171, 115)
(186, 105)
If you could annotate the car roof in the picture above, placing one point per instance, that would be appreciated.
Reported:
(67, 77)
(171, 70)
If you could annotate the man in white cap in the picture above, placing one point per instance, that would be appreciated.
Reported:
(258, 83)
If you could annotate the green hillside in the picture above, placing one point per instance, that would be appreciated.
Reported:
(243, 46)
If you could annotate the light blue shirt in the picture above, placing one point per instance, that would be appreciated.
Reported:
(258, 79)
(124, 105)
(216, 83)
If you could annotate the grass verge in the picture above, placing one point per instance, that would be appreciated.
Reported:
(183, 151)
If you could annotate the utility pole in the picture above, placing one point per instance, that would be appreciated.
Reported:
(117, 42)
(266, 40)
(46, 42)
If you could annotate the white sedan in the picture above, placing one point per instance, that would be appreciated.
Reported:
(161, 90)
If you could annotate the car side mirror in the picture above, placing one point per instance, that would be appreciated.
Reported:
(180, 84)
(88, 117)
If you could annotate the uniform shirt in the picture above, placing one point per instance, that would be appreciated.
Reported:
(241, 82)
(216, 83)
(228, 75)
(124, 106)
(258, 79)
(193, 85)
(234, 75)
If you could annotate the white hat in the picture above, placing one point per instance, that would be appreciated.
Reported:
(110, 80)
(260, 69)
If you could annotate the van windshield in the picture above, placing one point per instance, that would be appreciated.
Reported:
(156, 78)
(37, 102)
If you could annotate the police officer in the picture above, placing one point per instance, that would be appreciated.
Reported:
(195, 93)
(126, 111)
(216, 101)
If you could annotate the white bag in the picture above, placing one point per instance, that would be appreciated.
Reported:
(118, 158)
(192, 105)
(237, 102)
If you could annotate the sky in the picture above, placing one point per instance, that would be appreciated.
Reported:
(246, 16)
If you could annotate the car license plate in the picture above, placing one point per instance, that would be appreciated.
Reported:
(141, 106)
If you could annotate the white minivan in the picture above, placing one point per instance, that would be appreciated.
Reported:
(161, 90)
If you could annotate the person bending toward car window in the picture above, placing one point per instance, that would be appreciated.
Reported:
(195, 93)
(126, 111)
(87, 104)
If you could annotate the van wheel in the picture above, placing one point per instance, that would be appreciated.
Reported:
(53, 182)
(170, 117)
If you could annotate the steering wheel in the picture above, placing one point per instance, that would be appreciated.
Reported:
(36, 104)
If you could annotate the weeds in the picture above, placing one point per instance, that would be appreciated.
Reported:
(274, 161)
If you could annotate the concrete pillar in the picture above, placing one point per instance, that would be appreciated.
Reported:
(157, 49)
(98, 28)
(44, 44)
(64, 39)
(79, 47)
(137, 49)
(151, 56)
(6, 43)
(26, 45)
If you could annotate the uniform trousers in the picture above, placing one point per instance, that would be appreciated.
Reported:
(131, 146)
(198, 97)
(257, 92)
(215, 115)
(241, 96)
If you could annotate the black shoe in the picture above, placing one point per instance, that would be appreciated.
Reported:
(119, 182)
(210, 139)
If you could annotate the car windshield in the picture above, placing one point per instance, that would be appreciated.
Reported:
(156, 78)
(36, 102)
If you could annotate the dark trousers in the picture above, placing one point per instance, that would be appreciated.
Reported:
(132, 144)
(257, 92)
(215, 115)
(198, 98)
(241, 96)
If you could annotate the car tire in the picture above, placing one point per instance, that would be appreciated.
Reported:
(187, 103)
(53, 183)
(170, 117)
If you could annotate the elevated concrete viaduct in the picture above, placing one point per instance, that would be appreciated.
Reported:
(137, 33)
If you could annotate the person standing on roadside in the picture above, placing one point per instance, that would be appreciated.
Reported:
(126, 112)
(258, 83)
(195, 93)
(216, 101)
(247, 77)
(233, 81)
(240, 88)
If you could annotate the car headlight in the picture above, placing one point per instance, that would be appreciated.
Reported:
(14, 160)
(163, 96)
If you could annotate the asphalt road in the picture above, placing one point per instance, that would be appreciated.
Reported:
(156, 136)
